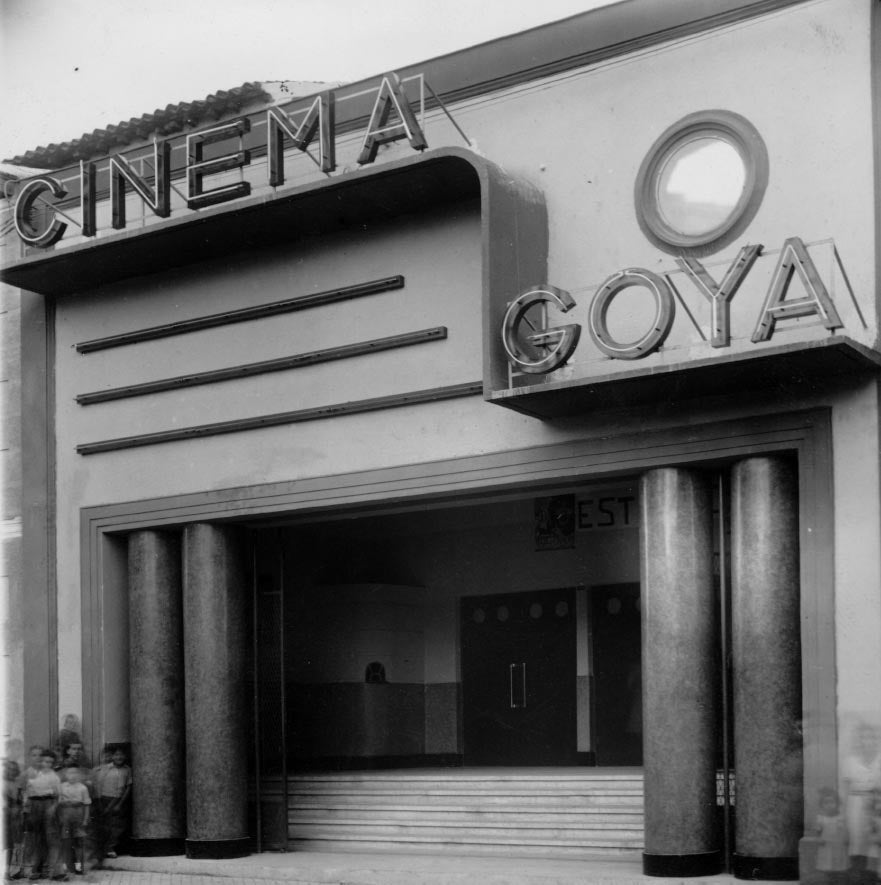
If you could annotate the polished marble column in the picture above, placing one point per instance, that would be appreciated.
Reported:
(766, 654)
(156, 682)
(216, 610)
(678, 674)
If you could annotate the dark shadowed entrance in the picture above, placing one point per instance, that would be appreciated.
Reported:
(617, 704)
(518, 678)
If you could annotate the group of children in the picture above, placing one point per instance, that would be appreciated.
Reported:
(59, 813)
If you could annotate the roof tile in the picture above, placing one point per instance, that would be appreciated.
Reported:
(173, 118)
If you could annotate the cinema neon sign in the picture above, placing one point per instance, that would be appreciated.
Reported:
(317, 127)
(541, 350)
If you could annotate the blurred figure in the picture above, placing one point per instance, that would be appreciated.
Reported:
(861, 773)
(832, 858)
(69, 734)
(112, 785)
(874, 863)
(41, 801)
(106, 760)
(33, 764)
(75, 757)
(12, 831)
(15, 751)
(74, 804)
(31, 770)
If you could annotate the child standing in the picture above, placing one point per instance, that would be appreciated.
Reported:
(41, 798)
(832, 858)
(12, 815)
(35, 751)
(874, 862)
(113, 784)
(69, 734)
(73, 818)
(75, 757)
(861, 771)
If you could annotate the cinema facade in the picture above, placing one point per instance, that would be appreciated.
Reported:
(515, 410)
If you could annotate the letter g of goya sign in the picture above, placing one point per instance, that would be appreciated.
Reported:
(525, 350)
(543, 350)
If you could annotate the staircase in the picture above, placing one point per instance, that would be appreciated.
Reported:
(550, 812)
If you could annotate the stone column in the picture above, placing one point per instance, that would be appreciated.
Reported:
(156, 682)
(216, 608)
(766, 652)
(678, 675)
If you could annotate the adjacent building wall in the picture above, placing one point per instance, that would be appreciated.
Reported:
(12, 651)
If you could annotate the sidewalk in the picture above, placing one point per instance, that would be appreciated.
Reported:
(315, 868)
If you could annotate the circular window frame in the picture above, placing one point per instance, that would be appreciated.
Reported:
(736, 131)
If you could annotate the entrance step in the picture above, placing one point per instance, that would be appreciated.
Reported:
(525, 813)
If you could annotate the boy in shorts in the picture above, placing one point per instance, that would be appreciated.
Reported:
(40, 801)
(112, 785)
(73, 817)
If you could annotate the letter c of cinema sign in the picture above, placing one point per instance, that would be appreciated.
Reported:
(392, 119)
(534, 347)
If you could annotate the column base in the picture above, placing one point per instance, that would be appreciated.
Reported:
(765, 868)
(156, 847)
(672, 865)
(218, 849)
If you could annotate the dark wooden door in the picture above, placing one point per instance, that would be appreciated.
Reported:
(617, 683)
(518, 678)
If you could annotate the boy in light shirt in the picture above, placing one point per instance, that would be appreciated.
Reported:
(40, 802)
(112, 785)
(12, 816)
(73, 817)
(35, 751)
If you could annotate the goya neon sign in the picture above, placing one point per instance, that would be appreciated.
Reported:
(541, 350)
(392, 119)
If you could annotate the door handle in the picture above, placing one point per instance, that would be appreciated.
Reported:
(517, 699)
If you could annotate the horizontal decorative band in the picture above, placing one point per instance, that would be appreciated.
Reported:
(289, 305)
(396, 400)
(297, 361)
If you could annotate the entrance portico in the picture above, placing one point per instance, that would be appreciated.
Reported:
(408, 722)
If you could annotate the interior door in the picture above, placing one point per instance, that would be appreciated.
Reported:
(617, 674)
(518, 678)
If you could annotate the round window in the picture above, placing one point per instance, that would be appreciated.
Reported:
(701, 183)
